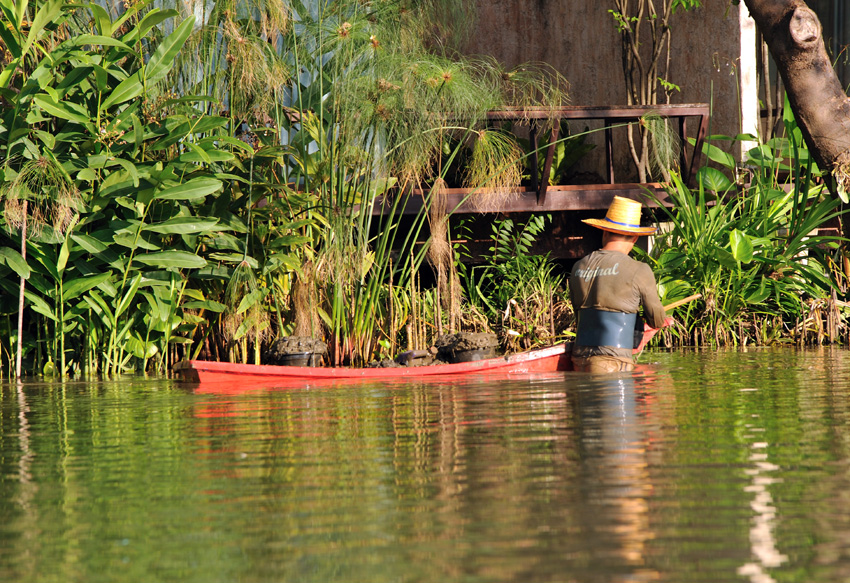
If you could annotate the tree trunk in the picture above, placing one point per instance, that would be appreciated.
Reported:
(794, 35)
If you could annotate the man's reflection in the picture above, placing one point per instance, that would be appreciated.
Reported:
(616, 480)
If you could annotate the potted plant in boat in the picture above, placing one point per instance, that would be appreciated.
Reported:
(296, 351)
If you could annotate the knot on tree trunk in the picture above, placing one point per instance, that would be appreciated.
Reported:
(804, 27)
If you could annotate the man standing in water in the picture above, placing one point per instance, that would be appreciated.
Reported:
(606, 289)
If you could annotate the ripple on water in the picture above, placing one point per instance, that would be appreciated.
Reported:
(707, 466)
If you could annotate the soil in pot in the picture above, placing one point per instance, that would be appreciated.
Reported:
(296, 351)
(467, 346)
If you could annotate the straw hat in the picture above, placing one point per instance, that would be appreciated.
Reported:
(623, 217)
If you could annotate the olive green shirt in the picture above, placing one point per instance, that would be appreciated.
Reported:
(613, 281)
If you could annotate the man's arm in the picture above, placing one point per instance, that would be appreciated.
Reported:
(653, 311)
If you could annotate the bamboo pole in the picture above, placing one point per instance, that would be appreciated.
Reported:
(681, 302)
(19, 352)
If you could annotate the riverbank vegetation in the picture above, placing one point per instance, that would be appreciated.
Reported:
(197, 185)
(762, 242)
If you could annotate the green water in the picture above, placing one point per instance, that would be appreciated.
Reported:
(731, 466)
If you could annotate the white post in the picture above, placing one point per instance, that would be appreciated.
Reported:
(750, 109)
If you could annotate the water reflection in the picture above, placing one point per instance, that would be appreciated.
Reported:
(762, 539)
(613, 414)
(27, 454)
(717, 467)
(26, 492)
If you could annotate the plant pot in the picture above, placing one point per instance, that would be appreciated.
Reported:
(295, 351)
(300, 359)
(474, 354)
(467, 346)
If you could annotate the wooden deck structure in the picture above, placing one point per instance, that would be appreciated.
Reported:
(568, 238)
(540, 196)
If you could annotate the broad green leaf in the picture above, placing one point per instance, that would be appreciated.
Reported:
(47, 13)
(725, 259)
(209, 305)
(230, 176)
(191, 190)
(11, 42)
(137, 134)
(15, 261)
(62, 258)
(193, 294)
(745, 138)
(177, 128)
(107, 286)
(40, 306)
(133, 9)
(81, 285)
(206, 124)
(788, 113)
(129, 295)
(762, 156)
(95, 39)
(128, 89)
(182, 226)
(246, 326)
(48, 139)
(199, 152)
(139, 348)
(742, 246)
(236, 143)
(178, 259)
(101, 78)
(154, 17)
(130, 168)
(760, 294)
(226, 242)
(98, 305)
(235, 258)
(102, 20)
(6, 73)
(323, 314)
(158, 309)
(715, 154)
(713, 179)
(87, 175)
(208, 156)
(251, 300)
(163, 58)
(96, 161)
(131, 241)
(281, 260)
(60, 110)
(288, 241)
(18, 14)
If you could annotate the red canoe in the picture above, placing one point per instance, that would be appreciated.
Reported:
(550, 359)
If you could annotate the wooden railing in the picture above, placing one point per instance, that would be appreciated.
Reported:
(609, 115)
(541, 197)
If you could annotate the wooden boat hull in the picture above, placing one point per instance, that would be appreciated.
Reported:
(549, 359)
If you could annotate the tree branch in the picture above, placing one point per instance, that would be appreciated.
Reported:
(794, 35)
